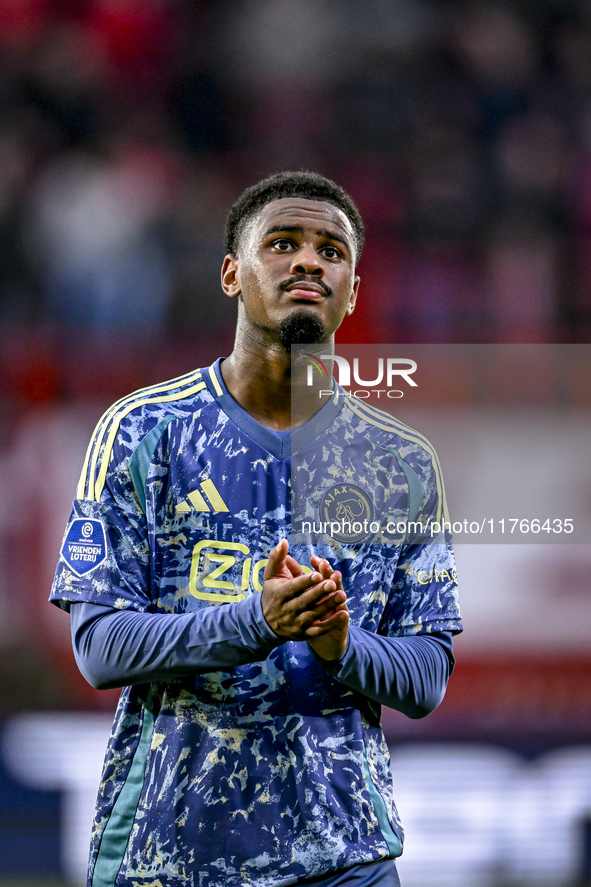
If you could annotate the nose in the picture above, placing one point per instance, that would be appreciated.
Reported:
(306, 261)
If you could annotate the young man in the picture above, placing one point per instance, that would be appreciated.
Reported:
(247, 749)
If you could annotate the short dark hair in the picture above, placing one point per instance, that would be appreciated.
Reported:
(310, 185)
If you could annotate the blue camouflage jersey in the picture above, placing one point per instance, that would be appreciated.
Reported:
(272, 769)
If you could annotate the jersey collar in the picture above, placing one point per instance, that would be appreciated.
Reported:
(279, 447)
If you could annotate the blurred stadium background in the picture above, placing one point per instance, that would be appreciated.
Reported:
(463, 130)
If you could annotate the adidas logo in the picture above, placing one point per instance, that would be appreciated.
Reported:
(196, 500)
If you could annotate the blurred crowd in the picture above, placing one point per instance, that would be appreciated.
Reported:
(463, 130)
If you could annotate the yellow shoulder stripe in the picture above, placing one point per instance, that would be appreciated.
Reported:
(385, 422)
(95, 489)
(216, 382)
(96, 440)
(98, 433)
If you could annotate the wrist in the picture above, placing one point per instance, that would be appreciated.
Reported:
(327, 651)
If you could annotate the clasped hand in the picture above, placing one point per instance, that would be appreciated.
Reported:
(306, 606)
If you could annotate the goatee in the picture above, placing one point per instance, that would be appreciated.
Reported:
(301, 328)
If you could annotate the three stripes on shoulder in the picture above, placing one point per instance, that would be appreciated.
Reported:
(100, 448)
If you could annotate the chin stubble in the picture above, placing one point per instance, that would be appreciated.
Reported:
(301, 328)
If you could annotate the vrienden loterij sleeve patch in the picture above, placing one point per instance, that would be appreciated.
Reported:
(85, 545)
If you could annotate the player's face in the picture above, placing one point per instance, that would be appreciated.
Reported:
(295, 255)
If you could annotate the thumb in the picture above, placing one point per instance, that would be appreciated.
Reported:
(277, 557)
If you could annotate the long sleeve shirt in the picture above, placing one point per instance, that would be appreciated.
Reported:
(116, 648)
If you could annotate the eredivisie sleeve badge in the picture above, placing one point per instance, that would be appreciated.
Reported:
(85, 545)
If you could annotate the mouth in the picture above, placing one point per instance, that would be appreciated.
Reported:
(306, 291)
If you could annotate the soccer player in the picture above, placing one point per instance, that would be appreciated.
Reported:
(247, 749)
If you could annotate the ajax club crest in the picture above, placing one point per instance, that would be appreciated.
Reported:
(347, 512)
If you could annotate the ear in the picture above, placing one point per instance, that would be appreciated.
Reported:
(353, 299)
(231, 276)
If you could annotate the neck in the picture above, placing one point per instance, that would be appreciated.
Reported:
(258, 375)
